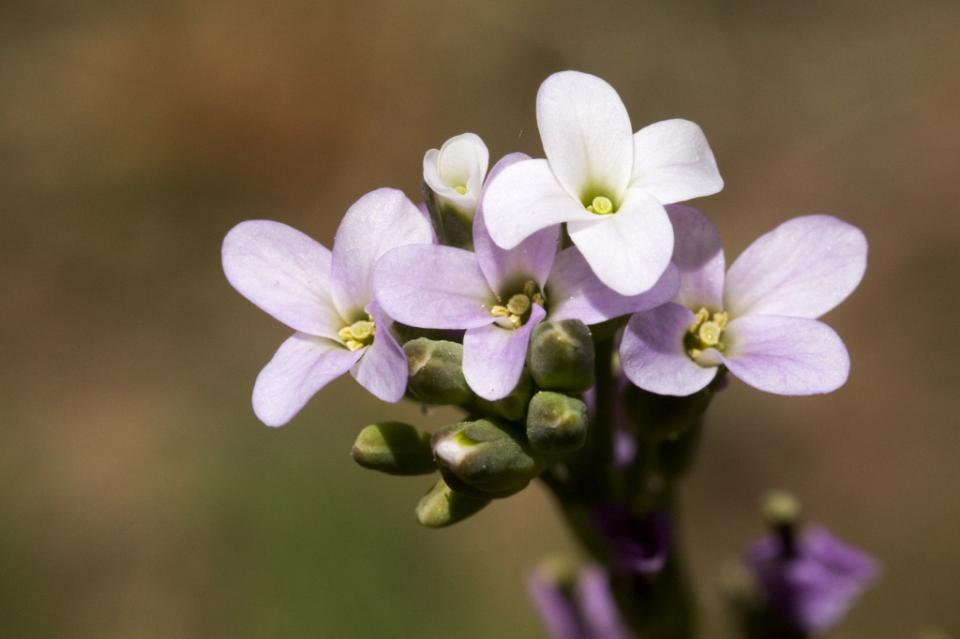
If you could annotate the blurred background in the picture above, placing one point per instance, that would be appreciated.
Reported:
(140, 497)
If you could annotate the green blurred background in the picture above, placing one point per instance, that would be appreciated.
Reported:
(140, 497)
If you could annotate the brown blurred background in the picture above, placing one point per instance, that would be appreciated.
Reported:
(140, 497)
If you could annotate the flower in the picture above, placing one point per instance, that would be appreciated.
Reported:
(608, 184)
(499, 296)
(814, 587)
(327, 298)
(585, 609)
(758, 320)
(638, 545)
(455, 173)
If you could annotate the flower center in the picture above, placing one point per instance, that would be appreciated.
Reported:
(358, 334)
(601, 205)
(461, 189)
(705, 332)
(516, 311)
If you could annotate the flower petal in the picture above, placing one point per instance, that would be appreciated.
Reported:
(531, 259)
(284, 272)
(699, 257)
(586, 134)
(493, 356)
(301, 366)
(383, 368)
(598, 605)
(524, 198)
(432, 286)
(630, 249)
(557, 611)
(802, 268)
(786, 355)
(574, 292)
(673, 162)
(377, 222)
(652, 354)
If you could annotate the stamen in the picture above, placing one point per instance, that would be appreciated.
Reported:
(461, 189)
(499, 311)
(358, 334)
(705, 332)
(518, 304)
(601, 205)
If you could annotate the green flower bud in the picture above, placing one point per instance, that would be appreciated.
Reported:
(561, 356)
(436, 375)
(512, 407)
(485, 456)
(556, 424)
(442, 506)
(394, 448)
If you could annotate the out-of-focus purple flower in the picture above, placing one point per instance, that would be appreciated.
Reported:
(815, 586)
(584, 610)
(499, 296)
(327, 297)
(607, 183)
(758, 319)
(637, 545)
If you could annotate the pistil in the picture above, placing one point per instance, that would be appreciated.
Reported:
(706, 332)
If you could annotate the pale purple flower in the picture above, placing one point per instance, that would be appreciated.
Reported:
(327, 298)
(758, 319)
(815, 587)
(585, 610)
(608, 184)
(499, 296)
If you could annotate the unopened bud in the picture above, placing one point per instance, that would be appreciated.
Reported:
(436, 374)
(512, 407)
(395, 448)
(442, 506)
(556, 423)
(561, 356)
(485, 456)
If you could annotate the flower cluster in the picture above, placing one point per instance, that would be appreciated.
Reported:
(577, 313)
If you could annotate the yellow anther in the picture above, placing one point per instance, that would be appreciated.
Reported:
(705, 332)
(709, 333)
(601, 205)
(461, 189)
(529, 288)
(361, 330)
(537, 298)
(358, 334)
(499, 311)
(518, 304)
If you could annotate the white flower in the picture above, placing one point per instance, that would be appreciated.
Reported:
(455, 174)
(608, 184)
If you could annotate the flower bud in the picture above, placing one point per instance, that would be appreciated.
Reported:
(442, 506)
(512, 407)
(394, 448)
(561, 356)
(485, 456)
(436, 375)
(556, 424)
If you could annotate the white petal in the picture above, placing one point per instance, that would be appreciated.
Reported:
(301, 366)
(284, 272)
(461, 161)
(630, 249)
(673, 162)
(586, 134)
(383, 368)
(802, 268)
(786, 355)
(377, 222)
(524, 198)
